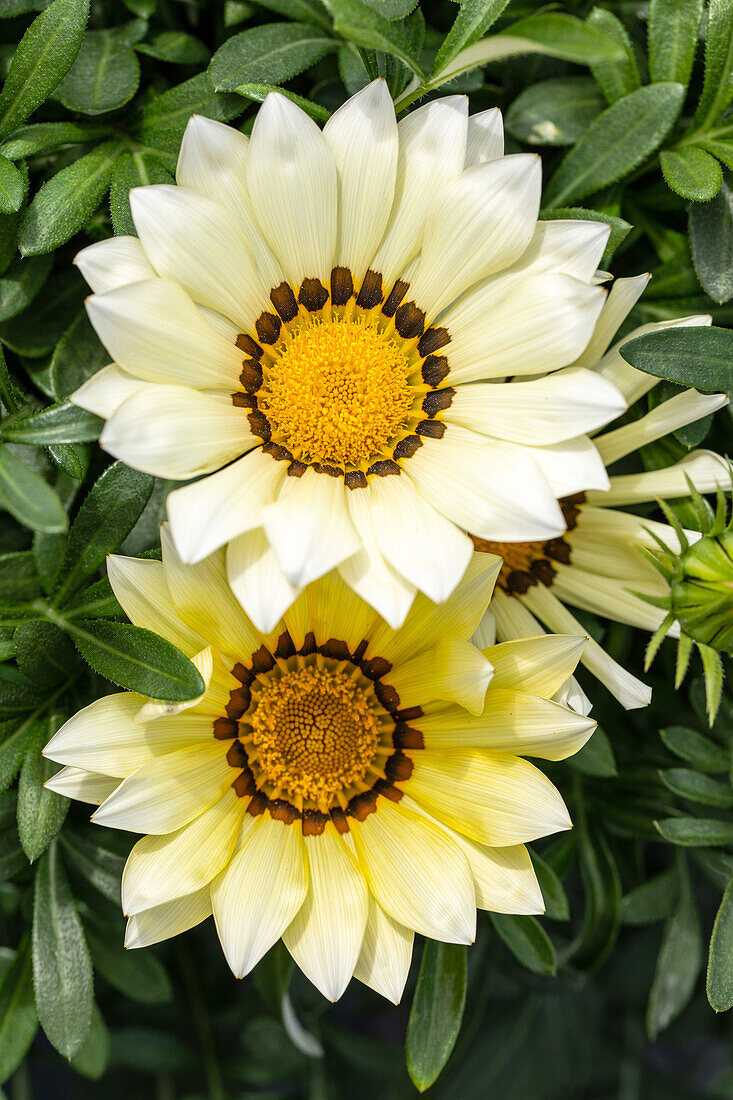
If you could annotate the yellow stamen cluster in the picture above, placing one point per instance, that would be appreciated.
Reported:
(314, 734)
(337, 394)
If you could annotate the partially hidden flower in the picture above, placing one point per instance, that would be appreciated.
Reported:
(339, 784)
(357, 339)
(597, 565)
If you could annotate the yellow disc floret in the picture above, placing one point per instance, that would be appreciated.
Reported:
(338, 393)
(314, 733)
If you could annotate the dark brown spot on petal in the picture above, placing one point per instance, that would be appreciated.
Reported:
(342, 286)
(280, 454)
(236, 756)
(370, 294)
(409, 321)
(519, 583)
(322, 468)
(262, 660)
(258, 805)
(558, 550)
(243, 400)
(384, 467)
(398, 768)
(309, 644)
(283, 299)
(268, 327)
(435, 369)
(433, 340)
(407, 447)
(242, 673)
(359, 652)
(244, 784)
(387, 695)
(386, 789)
(395, 296)
(339, 819)
(432, 429)
(314, 822)
(251, 376)
(285, 646)
(296, 468)
(280, 810)
(239, 700)
(336, 648)
(409, 714)
(407, 737)
(375, 668)
(361, 805)
(355, 479)
(249, 346)
(438, 400)
(225, 729)
(260, 425)
(543, 570)
(313, 294)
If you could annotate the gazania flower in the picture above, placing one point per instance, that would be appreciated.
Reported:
(597, 565)
(322, 324)
(339, 784)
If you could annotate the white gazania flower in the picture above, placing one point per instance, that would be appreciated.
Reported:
(339, 784)
(323, 323)
(596, 565)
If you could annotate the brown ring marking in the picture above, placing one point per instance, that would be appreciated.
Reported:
(431, 429)
(370, 294)
(435, 369)
(249, 346)
(432, 340)
(409, 321)
(312, 294)
(395, 296)
(342, 286)
(438, 401)
(284, 301)
(407, 447)
(268, 327)
(384, 467)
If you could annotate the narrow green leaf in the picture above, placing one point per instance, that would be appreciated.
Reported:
(61, 423)
(553, 891)
(44, 653)
(13, 748)
(136, 659)
(269, 54)
(92, 1058)
(176, 47)
(678, 964)
(717, 90)
(674, 26)
(137, 974)
(104, 76)
(711, 237)
(45, 137)
(652, 901)
(133, 170)
(700, 357)
(473, 20)
(90, 858)
(62, 970)
(720, 959)
(18, 1017)
(616, 143)
(78, 355)
(602, 897)
(35, 333)
(621, 77)
(696, 832)
(44, 55)
(28, 497)
(12, 188)
(272, 976)
(437, 1011)
(297, 11)
(691, 172)
(64, 204)
(697, 749)
(567, 37)
(528, 942)
(698, 788)
(21, 283)
(554, 112)
(163, 120)
(258, 93)
(596, 757)
(361, 24)
(41, 812)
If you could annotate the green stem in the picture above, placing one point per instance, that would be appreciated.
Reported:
(202, 1023)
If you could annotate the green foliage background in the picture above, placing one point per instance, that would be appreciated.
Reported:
(628, 105)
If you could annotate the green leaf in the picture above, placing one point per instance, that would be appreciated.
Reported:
(44, 653)
(272, 976)
(554, 112)
(619, 228)
(621, 77)
(36, 332)
(698, 788)
(473, 20)
(61, 423)
(45, 137)
(44, 55)
(18, 1017)
(78, 355)
(136, 659)
(12, 188)
(678, 963)
(652, 901)
(62, 970)
(104, 76)
(298, 11)
(596, 757)
(21, 283)
(164, 119)
(696, 749)
(133, 170)
(691, 172)
(268, 54)
(718, 87)
(97, 864)
(700, 357)
(258, 92)
(93, 1056)
(41, 812)
(361, 24)
(711, 237)
(616, 143)
(137, 974)
(18, 577)
(176, 47)
(68, 200)
(12, 750)
(28, 497)
(602, 889)
(673, 30)
(696, 832)
(553, 891)
(720, 959)
(437, 1011)
(528, 942)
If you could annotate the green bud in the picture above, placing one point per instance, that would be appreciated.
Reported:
(701, 591)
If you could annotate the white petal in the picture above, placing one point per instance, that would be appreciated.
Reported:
(293, 187)
(141, 588)
(326, 935)
(309, 526)
(257, 896)
(258, 582)
(162, 868)
(416, 872)
(432, 148)
(453, 670)
(177, 432)
(622, 298)
(539, 327)
(571, 466)
(203, 661)
(193, 241)
(164, 921)
(684, 408)
(480, 223)
(154, 331)
(104, 392)
(426, 549)
(485, 138)
(167, 793)
(494, 490)
(386, 953)
(537, 665)
(635, 383)
(706, 470)
(213, 162)
(608, 596)
(82, 785)
(205, 515)
(547, 410)
(114, 262)
(362, 136)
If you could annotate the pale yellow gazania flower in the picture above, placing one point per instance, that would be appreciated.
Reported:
(335, 328)
(339, 784)
(597, 565)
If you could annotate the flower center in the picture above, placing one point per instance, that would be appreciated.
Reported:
(314, 733)
(338, 392)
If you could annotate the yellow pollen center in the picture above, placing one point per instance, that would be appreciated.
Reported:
(337, 394)
(314, 733)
